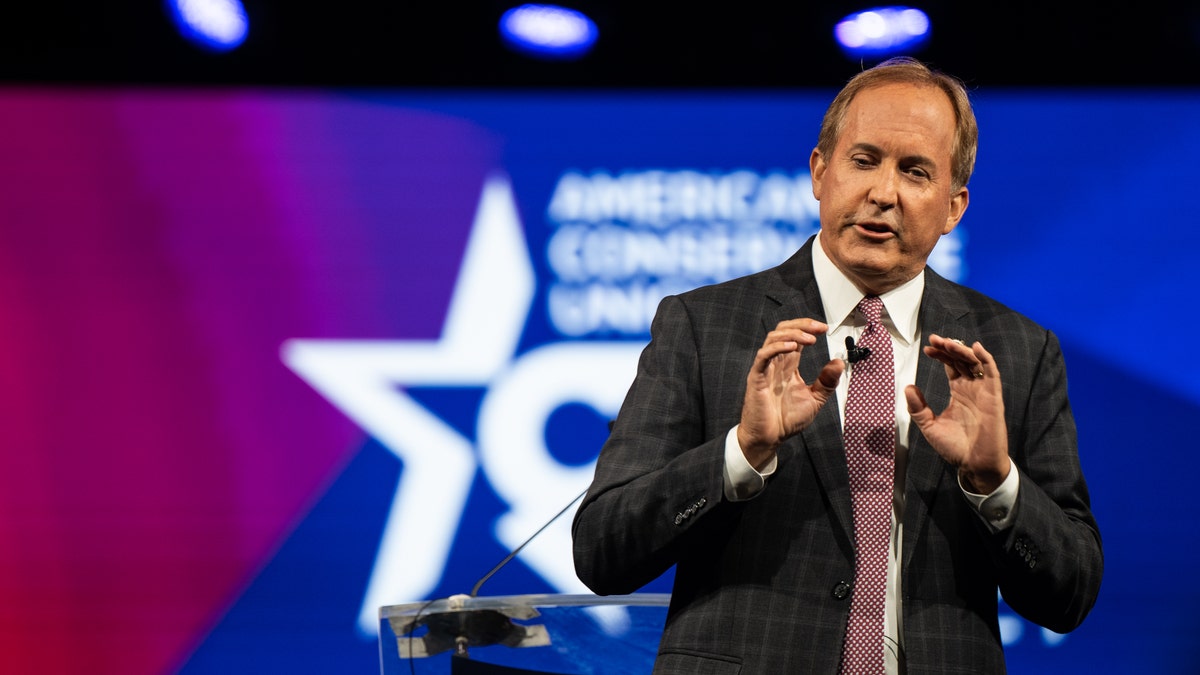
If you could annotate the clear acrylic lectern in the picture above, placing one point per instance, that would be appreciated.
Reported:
(560, 634)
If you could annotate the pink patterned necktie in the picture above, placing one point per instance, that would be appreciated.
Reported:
(870, 439)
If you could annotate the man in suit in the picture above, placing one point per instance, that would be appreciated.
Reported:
(730, 461)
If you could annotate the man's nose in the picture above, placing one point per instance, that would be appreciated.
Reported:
(883, 193)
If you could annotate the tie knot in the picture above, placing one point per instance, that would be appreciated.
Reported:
(872, 308)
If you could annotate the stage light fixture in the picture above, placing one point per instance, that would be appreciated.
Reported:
(216, 25)
(883, 32)
(548, 31)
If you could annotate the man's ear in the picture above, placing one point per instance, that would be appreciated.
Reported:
(816, 168)
(958, 206)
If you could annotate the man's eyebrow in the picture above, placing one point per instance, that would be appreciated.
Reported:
(908, 160)
(918, 159)
(873, 149)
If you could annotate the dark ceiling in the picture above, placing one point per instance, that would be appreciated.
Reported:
(742, 43)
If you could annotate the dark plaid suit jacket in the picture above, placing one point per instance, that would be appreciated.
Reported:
(760, 586)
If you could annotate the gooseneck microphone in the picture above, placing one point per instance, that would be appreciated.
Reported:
(508, 558)
(855, 354)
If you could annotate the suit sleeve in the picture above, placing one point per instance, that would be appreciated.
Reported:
(1050, 561)
(659, 482)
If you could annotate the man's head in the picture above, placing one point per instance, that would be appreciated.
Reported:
(890, 169)
(904, 70)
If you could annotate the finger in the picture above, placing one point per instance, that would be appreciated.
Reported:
(955, 348)
(770, 350)
(955, 367)
(827, 380)
(980, 363)
(804, 324)
(956, 355)
(987, 363)
(920, 411)
(790, 335)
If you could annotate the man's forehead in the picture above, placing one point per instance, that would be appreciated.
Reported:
(914, 91)
(898, 108)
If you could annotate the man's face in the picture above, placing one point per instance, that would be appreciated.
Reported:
(886, 194)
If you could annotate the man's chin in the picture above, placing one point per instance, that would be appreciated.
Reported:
(872, 266)
(874, 275)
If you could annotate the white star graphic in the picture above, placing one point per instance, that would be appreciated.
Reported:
(478, 339)
(487, 313)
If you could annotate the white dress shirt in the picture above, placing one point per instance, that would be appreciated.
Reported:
(840, 297)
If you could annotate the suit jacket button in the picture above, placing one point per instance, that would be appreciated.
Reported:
(840, 590)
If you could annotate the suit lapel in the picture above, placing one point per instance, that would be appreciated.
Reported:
(795, 295)
(942, 312)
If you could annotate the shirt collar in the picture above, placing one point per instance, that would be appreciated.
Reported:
(840, 296)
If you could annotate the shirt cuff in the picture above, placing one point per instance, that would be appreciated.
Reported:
(743, 481)
(998, 509)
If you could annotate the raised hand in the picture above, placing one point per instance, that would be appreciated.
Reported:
(779, 403)
(970, 433)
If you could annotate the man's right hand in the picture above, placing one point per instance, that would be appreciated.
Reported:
(779, 404)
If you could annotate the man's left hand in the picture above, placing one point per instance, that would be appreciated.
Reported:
(970, 433)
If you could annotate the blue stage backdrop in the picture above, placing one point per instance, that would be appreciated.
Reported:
(273, 359)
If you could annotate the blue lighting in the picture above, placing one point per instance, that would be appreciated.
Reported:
(883, 31)
(548, 31)
(217, 25)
